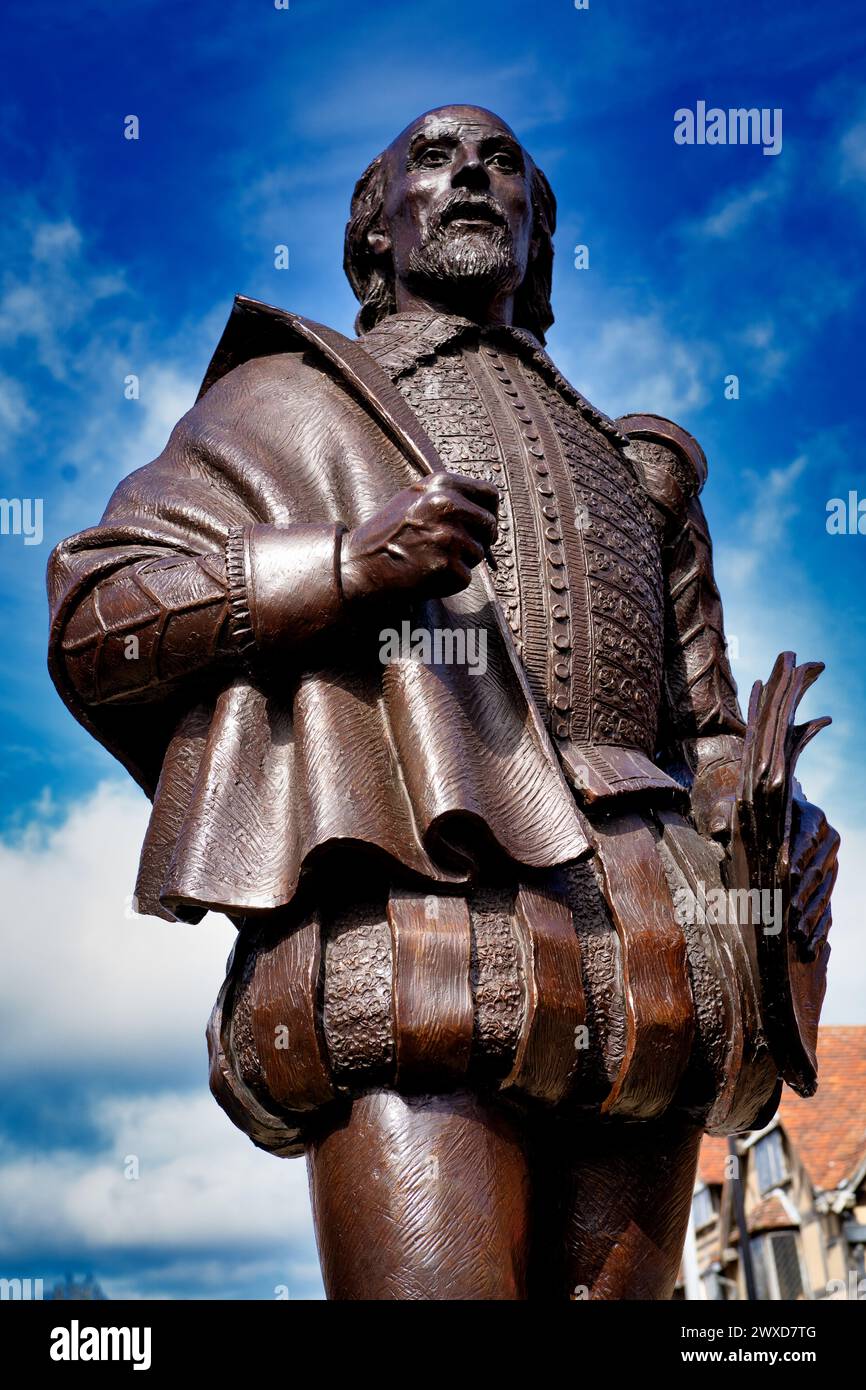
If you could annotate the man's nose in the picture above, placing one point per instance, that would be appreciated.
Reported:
(469, 171)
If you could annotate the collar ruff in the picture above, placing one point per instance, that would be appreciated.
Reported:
(403, 341)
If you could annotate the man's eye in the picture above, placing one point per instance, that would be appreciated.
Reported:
(431, 159)
(505, 162)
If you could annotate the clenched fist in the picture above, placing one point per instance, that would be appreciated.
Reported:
(425, 540)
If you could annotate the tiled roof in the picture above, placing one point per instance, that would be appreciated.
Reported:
(711, 1165)
(828, 1130)
(769, 1215)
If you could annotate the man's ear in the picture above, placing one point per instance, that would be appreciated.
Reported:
(379, 242)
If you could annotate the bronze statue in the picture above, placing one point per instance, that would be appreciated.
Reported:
(514, 930)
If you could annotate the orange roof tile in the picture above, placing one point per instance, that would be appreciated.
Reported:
(828, 1130)
(769, 1215)
(711, 1164)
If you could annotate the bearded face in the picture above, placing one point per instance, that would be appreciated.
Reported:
(457, 211)
(465, 248)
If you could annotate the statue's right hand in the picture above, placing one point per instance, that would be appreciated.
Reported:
(425, 540)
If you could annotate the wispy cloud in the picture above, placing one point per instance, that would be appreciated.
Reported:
(112, 1007)
(773, 502)
(734, 210)
(852, 154)
(90, 987)
(636, 362)
(170, 1187)
(167, 1171)
(47, 302)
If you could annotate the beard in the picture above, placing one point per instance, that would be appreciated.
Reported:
(452, 261)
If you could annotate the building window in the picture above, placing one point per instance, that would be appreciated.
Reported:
(704, 1207)
(771, 1160)
(776, 1261)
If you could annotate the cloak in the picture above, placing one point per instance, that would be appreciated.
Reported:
(260, 778)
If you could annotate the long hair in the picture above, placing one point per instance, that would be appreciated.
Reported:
(372, 277)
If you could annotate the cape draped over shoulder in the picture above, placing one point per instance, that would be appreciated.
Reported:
(257, 777)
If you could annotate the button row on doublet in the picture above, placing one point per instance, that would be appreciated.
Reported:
(554, 555)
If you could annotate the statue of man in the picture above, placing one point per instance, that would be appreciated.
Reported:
(475, 980)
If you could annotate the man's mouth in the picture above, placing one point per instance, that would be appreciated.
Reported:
(468, 215)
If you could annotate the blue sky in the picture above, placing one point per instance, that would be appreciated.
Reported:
(121, 257)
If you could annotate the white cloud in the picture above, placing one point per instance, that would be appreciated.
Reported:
(765, 625)
(84, 986)
(762, 524)
(49, 295)
(767, 612)
(53, 239)
(167, 393)
(734, 208)
(846, 974)
(767, 358)
(635, 364)
(201, 1186)
(119, 435)
(53, 292)
(91, 993)
(15, 414)
(736, 211)
(852, 154)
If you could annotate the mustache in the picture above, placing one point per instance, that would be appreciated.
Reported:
(478, 206)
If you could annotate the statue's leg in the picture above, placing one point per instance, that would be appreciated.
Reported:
(614, 1200)
(421, 1197)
